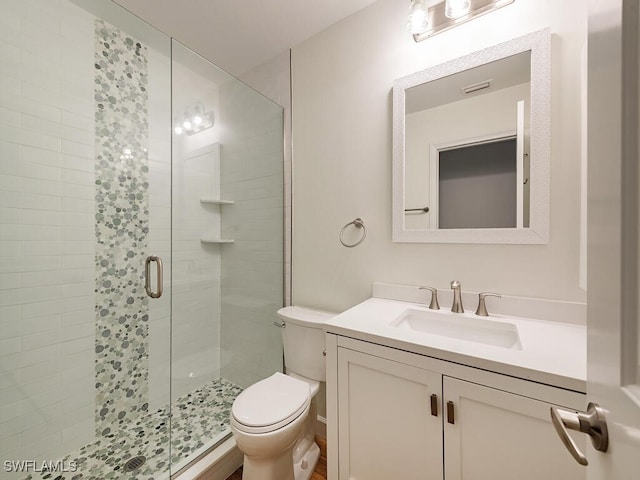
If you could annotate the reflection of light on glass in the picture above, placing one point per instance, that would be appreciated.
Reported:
(198, 114)
(456, 8)
(126, 154)
(418, 17)
(191, 375)
(193, 120)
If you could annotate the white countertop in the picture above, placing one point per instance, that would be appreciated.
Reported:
(552, 353)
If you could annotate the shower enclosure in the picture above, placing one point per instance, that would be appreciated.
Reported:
(141, 244)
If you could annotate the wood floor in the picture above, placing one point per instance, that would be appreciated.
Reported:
(320, 472)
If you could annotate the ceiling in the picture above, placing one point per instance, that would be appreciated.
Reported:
(238, 35)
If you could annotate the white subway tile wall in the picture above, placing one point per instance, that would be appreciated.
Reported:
(223, 297)
(46, 230)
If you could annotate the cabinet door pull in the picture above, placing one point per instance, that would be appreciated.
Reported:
(450, 415)
(434, 405)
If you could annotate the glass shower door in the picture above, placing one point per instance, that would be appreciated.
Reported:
(85, 117)
(227, 226)
(97, 377)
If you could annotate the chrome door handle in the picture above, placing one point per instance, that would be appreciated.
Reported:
(147, 276)
(593, 423)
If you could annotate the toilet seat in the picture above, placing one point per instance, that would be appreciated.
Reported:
(270, 404)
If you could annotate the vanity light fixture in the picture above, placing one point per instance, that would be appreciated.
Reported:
(418, 22)
(456, 8)
(194, 119)
(451, 13)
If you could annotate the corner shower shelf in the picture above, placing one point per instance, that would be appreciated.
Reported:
(215, 201)
(215, 239)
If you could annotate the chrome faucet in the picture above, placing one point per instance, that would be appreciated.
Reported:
(434, 297)
(482, 306)
(456, 306)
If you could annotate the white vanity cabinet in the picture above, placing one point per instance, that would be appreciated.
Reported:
(390, 414)
(385, 428)
(500, 435)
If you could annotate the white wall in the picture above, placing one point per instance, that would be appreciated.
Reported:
(342, 82)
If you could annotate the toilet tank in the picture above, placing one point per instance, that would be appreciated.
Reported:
(303, 341)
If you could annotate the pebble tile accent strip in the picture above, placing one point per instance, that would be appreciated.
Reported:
(122, 225)
(196, 419)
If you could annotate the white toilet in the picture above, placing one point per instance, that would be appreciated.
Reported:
(273, 420)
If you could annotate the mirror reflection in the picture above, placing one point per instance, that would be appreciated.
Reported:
(467, 163)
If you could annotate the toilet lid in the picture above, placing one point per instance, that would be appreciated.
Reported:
(272, 402)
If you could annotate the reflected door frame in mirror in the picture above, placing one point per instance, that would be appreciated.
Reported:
(539, 44)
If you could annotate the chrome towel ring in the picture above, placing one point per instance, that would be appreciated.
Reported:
(358, 223)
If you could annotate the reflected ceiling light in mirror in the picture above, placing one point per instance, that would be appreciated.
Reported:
(451, 13)
(418, 17)
(194, 119)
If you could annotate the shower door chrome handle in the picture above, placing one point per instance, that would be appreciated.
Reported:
(147, 276)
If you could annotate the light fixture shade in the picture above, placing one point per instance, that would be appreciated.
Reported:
(456, 8)
(418, 17)
(452, 13)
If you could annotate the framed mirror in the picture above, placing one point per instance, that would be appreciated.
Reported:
(471, 147)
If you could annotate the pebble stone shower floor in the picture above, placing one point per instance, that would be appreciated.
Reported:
(196, 418)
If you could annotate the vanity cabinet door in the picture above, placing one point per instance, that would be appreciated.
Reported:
(502, 436)
(385, 423)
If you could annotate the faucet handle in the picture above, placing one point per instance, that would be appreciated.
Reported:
(434, 297)
(482, 307)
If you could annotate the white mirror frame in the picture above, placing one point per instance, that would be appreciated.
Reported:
(539, 43)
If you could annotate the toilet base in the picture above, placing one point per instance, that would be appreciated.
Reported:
(272, 468)
(304, 468)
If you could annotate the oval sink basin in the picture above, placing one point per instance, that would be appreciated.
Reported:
(470, 329)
